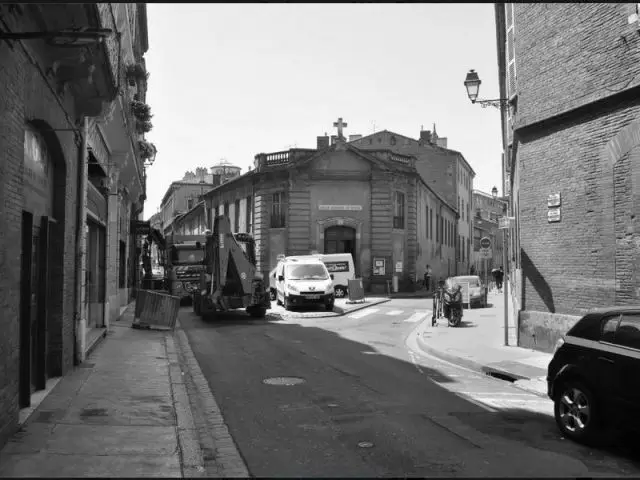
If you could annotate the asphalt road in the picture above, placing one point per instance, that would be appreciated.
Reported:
(370, 404)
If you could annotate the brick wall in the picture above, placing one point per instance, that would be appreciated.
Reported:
(569, 55)
(26, 96)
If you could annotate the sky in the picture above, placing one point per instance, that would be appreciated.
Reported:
(229, 81)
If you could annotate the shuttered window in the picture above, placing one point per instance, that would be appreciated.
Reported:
(511, 54)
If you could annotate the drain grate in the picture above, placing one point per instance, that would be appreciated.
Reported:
(283, 381)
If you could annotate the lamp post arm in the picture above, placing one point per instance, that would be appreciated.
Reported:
(499, 103)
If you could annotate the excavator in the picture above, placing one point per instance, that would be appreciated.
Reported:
(230, 279)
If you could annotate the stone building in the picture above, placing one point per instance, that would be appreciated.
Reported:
(70, 174)
(572, 143)
(339, 198)
(183, 195)
(445, 171)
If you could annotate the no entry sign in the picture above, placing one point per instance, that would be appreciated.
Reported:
(485, 242)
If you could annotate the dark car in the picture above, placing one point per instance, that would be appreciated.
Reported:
(594, 376)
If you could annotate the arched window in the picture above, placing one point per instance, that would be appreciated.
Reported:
(38, 174)
(393, 140)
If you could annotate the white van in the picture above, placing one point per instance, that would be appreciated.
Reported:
(303, 280)
(342, 267)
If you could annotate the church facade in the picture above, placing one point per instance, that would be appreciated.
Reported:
(342, 199)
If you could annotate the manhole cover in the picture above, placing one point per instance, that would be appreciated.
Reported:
(365, 445)
(285, 381)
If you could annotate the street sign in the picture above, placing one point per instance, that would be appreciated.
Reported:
(485, 242)
(486, 253)
(505, 222)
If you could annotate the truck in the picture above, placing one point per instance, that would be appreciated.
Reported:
(230, 279)
(184, 264)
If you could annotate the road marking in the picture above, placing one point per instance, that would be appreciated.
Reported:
(418, 317)
(363, 313)
(476, 403)
(395, 312)
(415, 363)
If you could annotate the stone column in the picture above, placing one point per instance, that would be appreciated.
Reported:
(113, 244)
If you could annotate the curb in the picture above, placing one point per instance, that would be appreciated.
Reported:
(341, 311)
(216, 445)
(477, 367)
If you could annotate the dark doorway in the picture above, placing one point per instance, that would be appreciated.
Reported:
(340, 239)
(95, 281)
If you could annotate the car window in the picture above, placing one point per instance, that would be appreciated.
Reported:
(628, 332)
(609, 325)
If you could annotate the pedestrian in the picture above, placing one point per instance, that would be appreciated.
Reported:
(427, 278)
(499, 278)
(473, 270)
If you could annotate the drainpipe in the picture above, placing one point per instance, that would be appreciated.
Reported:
(79, 320)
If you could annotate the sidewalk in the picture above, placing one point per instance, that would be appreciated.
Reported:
(478, 344)
(124, 412)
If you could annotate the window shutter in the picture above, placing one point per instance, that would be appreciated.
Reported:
(511, 55)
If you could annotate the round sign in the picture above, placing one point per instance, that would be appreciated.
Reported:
(485, 242)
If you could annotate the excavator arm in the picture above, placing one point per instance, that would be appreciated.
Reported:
(232, 269)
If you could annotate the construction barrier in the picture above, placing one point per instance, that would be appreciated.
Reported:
(156, 310)
(356, 290)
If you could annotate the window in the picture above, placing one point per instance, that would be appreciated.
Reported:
(441, 229)
(277, 210)
(609, 326)
(468, 212)
(628, 332)
(190, 204)
(468, 249)
(431, 223)
(426, 223)
(437, 228)
(462, 208)
(236, 215)
(249, 214)
(398, 210)
(392, 140)
(226, 210)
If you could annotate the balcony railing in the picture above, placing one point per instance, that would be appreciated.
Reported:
(283, 158)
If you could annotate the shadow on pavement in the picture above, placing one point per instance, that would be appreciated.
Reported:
(356, 391)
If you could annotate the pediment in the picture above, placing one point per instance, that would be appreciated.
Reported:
(338, 161)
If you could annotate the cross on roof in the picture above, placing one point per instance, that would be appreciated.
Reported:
(340, 124)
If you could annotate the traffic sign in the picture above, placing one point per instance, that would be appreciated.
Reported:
(486, 253)
(485, 242)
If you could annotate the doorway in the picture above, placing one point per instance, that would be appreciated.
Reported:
(96, 257)
(340, 239)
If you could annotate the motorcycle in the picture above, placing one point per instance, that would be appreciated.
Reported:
(452, 305)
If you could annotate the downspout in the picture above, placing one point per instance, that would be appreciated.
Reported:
(79, 321)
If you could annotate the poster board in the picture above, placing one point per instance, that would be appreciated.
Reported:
(379, 266)
(466, 294)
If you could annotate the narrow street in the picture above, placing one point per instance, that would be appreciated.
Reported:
(370, 404)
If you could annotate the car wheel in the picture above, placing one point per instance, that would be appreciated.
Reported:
(272, 295)
(285, 303)
(576, 412)
(340, 291)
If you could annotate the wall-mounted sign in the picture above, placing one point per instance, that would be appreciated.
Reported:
(141, 227)
(553, 200)
(379, 266)
(398, 267)
(340, 207)
(553, 215)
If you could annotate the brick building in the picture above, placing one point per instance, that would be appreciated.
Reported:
(445, 171)
(63, 152)
(339, 198)
(572, 143)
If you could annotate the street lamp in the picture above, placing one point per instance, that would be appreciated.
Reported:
(472, 84)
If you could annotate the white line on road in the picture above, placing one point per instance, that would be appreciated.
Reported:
(395, 312)
(363, 313)
(418, 317)
(413, 360)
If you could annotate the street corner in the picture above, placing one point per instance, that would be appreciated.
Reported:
(278, 313)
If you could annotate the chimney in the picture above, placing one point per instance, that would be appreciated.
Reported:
(353, 138)
(425, 136)
(323, 142)
(441, 142)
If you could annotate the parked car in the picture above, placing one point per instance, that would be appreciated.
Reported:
(477, 291)
(341, 266)
(594, 375)
(304, 280)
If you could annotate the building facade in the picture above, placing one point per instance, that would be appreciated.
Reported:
(445, 171)
(572, 146)
(63, 156)
(487, 211)
(183, 195)
(342, 199)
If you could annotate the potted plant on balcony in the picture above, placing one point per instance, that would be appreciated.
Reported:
(141, 111)
(143, 126)
(147, 150)
(136, 72)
